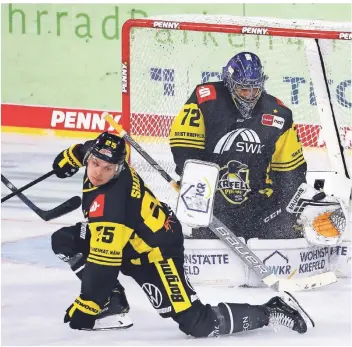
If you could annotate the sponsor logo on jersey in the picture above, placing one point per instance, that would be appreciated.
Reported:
(234, 182)
(124, 74)
(173, 285)
(256, 31)
(273, 121)
(166, 25)
(241, 140)
(154, 294)
(97, 207)
(206, 93)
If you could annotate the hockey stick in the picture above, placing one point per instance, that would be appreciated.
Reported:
(58, 211)
(231, 240)
(41, 178)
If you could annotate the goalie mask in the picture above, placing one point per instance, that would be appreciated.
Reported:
(244, 77)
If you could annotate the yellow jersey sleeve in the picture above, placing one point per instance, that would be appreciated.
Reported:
(188, 129)
(288, 154)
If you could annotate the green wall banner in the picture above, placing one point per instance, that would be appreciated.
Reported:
(69, 55)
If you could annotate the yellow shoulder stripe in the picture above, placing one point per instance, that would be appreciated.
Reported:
(288, 163)
(289, 168)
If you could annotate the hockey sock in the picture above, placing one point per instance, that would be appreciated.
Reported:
(234, 318)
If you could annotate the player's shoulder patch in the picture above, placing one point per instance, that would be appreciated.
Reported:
(205, 92)
(96, 208)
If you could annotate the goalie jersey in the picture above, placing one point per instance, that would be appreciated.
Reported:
(259, 157)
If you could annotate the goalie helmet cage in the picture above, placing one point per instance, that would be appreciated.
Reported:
(308, 64)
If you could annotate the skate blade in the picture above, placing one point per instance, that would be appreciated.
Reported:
(115, 322)
(291, 300)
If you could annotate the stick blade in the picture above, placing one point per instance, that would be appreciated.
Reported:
(66, 207)
(307, 283)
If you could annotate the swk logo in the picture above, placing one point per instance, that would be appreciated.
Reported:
(241, 140)
(154, 294)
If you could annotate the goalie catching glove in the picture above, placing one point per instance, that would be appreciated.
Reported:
(68, 162)
(323, 217)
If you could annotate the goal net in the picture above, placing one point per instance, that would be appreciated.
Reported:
(308, 64)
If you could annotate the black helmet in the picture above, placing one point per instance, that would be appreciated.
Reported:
(108, 147)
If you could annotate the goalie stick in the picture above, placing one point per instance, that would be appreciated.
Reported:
(230, 239)
(58, 211)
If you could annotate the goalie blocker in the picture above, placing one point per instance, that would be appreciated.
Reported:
(197, 191)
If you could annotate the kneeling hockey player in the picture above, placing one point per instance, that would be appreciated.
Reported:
(129, 230)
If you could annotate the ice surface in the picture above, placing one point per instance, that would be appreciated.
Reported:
(36, 288)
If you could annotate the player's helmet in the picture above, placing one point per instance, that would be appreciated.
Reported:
(244, 71)
(108, 147)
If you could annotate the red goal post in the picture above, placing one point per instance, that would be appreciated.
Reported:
(308, 64)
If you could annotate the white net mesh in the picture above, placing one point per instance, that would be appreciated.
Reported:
(166, 65)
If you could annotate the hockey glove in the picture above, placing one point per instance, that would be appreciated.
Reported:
(82, 314)
(322, 216)
(67, 163)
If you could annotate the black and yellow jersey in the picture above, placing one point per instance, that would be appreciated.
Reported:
(128, 225)
(262, 154)
(124, 212)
